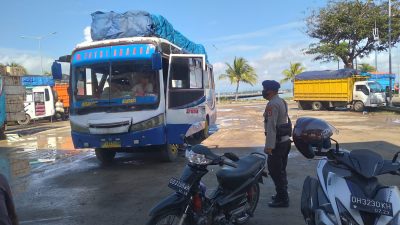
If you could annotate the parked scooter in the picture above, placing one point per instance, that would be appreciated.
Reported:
(233, 202)
(347, 191)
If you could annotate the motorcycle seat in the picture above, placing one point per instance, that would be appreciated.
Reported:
(248, 166)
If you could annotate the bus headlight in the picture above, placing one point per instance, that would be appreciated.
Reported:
(150, 123)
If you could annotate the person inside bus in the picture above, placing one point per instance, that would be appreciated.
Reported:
(113, 91)
(143, 87)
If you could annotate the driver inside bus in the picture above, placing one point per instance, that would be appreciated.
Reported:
(143, 87)
(113, 91)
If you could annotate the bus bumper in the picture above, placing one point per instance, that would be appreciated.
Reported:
(153, 136)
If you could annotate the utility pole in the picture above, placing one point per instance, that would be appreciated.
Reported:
(39, 39)
(390, 53)
(375, 33)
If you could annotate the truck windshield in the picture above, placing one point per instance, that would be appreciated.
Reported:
(116, 86)
(375, 87)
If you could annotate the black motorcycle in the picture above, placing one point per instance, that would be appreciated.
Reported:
(233, 202)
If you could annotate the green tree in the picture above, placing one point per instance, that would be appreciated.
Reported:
(365, 67)
(344, 29)
(239, 71)
(17, 65)
(294, 70)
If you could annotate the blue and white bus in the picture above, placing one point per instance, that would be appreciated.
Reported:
(136, 92)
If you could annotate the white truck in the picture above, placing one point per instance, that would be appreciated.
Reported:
(39, 103)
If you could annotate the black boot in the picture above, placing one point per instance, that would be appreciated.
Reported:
(279, 203)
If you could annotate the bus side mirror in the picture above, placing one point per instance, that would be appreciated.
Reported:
(56, 71)
(156, 61)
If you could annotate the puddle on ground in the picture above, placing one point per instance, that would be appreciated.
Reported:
(19, 155)
(225, 110)
(396, 121)
(254, 106)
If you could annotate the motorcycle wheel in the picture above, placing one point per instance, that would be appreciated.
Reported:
(253, 195)
(170, 217)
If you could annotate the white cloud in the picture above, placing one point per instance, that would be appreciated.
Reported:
(258, 33)
(29, 59)
(87, 34)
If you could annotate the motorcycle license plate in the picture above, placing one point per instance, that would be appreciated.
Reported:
(179, 186)
(371, 206)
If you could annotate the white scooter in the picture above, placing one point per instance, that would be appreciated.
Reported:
(347, 191)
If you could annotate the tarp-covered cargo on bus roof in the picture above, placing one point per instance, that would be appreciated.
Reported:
(37, 81)
(112, 25)
(327, 74)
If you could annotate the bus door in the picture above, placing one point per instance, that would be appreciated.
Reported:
(185, 114)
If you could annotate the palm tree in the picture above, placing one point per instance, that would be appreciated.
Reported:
(365, 67)
(240, 71)
(292, 72)
(17, 65)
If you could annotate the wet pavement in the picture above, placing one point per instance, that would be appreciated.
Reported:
(55, 184)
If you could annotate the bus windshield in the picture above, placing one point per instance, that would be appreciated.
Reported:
(125, 85)
(375, 87)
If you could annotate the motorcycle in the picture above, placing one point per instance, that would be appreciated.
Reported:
(233, 202)
(346, 191)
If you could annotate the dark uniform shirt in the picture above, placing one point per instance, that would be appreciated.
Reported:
(7, 208)
(275, 114)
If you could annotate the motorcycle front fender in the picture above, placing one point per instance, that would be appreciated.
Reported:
(174, 201)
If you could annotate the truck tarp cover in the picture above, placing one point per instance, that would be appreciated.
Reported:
(112, 25)
(327, 74)
(36, 80)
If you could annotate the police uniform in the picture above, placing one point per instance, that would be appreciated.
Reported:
(275, 114)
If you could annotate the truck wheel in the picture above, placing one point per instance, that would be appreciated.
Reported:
(58, 116)
(26, 121)
(358, 106)
(303, 105)
(105, 156)
(205, 133)
(169, 152)
(2, 132)
(317, 106)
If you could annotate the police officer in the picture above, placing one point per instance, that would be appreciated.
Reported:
(278, 142)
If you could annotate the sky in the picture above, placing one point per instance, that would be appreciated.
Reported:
(268, 33)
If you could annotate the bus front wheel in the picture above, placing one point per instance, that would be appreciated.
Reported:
(105, 156)
(169, 152)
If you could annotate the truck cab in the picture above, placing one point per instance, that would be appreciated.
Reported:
(368, 94)
(39, 103)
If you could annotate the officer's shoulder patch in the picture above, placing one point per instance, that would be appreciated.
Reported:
(268, 110)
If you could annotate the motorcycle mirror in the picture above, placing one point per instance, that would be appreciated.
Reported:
(231, 156)
(395, 157)
(337, 147)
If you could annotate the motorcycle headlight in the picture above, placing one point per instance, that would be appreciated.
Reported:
(197, 159)
(150, 123)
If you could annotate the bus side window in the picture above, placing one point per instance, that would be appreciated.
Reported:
(196, 74)
(186, 82)
(207, 79)
(212, 79)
